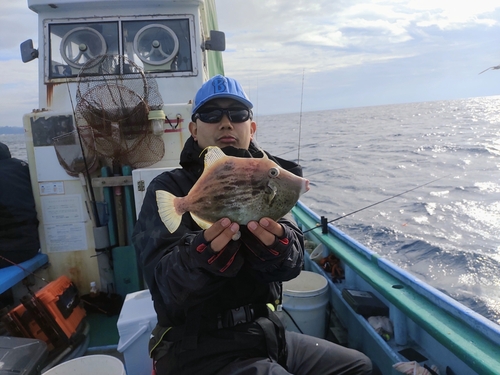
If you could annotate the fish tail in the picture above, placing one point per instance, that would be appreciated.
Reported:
(166, 208)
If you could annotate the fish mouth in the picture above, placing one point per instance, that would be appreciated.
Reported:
(305, 186)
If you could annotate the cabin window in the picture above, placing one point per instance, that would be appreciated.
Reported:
(73, 45)
(159, 45)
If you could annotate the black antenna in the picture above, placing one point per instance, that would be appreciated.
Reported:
(324, 221)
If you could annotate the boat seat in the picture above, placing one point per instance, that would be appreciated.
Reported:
(10, 276)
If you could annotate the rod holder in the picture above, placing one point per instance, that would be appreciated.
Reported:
(324, 225)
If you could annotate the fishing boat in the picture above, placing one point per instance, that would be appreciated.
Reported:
(116, 80)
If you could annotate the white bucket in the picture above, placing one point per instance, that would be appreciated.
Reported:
(305, 299)
(91, 364)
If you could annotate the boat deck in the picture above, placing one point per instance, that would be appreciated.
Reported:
(103, 335)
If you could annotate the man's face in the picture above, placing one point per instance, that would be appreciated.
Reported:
(223, 133)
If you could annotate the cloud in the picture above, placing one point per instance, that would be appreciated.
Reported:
(352, 52)
(352, 45)
(18, 81)
(18, 91)
(17, 23)
(289, 35)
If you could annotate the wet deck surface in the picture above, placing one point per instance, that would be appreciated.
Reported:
(103, 330)
(103, 335)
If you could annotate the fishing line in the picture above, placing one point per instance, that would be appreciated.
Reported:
(300, 117)
(329, 170)
(87, 172)
(291, 318)
(312, 144)
(373, 204)
(47, 282)
(24, 269)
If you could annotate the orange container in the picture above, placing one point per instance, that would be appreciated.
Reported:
(53, 315)
(20, 323)
(61, 298)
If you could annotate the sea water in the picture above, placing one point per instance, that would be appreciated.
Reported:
(447, 232)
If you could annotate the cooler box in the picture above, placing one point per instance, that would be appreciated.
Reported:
(365, 303)
(135, 324)
(22, 356)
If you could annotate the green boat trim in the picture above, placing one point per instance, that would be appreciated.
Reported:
(479, 352)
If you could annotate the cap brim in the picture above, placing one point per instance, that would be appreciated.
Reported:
(245, 102)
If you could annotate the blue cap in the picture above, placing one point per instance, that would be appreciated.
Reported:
(220, 87)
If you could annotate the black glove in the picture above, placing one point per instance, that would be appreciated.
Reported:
(226, 262)
(257, 253)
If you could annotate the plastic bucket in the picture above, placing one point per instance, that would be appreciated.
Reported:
(319, 253)
(91, 364)
(304, 300)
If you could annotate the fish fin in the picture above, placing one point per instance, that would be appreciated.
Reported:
(213, 154)
(203, 224)
(166, 209)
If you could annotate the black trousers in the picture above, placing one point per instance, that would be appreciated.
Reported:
(306, 356)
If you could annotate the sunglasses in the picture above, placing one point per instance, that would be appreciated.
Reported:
(215, 115)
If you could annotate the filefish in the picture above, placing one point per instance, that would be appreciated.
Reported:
(241, 189)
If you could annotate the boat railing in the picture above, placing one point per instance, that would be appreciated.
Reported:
(466, 334)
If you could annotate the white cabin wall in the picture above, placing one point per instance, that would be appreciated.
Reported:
(57, 97)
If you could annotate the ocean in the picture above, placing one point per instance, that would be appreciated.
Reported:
(446, 230)
(447, 233)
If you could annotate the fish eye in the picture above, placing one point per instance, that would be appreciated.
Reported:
(274, 172)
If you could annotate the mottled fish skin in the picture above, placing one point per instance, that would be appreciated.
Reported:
(241, 189)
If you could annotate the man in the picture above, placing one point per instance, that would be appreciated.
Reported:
(214, 291)
(18, 218)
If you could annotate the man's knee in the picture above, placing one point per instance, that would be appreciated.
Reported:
(363, 365)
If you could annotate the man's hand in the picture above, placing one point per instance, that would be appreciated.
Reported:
(266, 230)
(220, 233)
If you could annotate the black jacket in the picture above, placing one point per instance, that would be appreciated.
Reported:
(18, 218)
(181, 279)
(192, 286)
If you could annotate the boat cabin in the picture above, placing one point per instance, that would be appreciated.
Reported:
(116, 80)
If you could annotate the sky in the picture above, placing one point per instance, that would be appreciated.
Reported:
(304, 55)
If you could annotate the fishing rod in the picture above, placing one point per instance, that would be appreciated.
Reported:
(325, 222)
